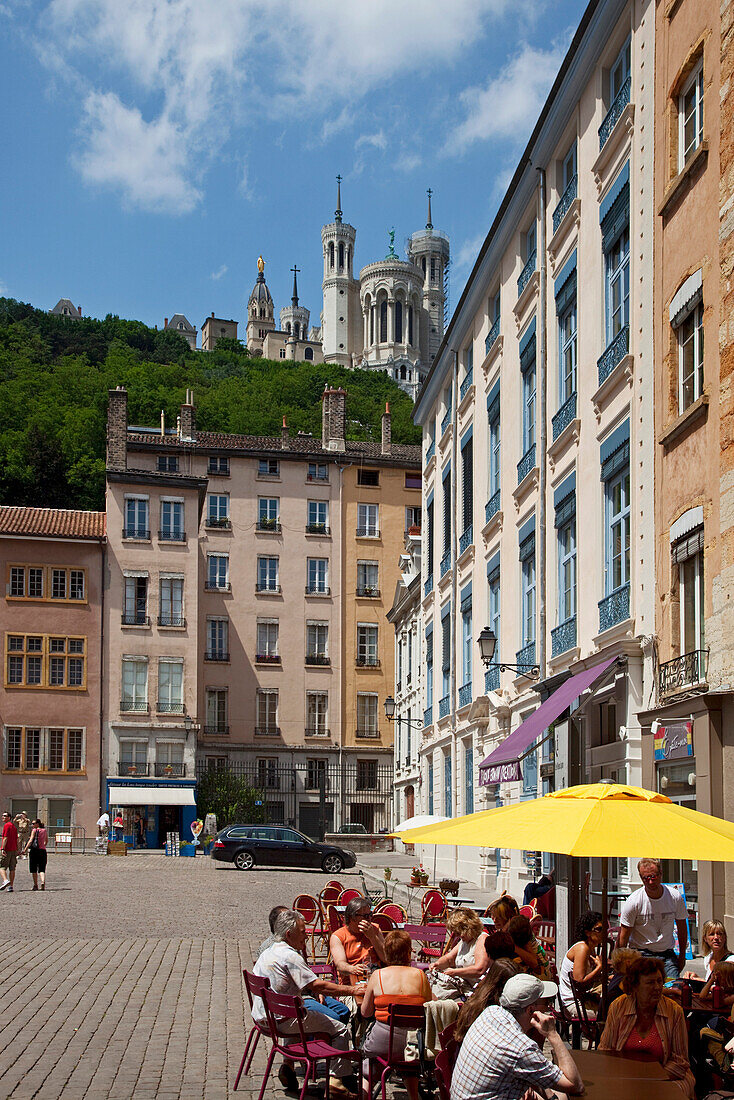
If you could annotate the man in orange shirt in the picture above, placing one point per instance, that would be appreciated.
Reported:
(8, 853)
(358, 946)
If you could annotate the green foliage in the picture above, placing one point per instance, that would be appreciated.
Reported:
(230, 797)
(55, 374)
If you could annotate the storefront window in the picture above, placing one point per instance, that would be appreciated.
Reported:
(678, 782)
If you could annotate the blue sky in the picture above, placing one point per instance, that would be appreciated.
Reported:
(154, 148)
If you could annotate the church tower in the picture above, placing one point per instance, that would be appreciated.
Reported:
(428, 249)
(294, 319)
(260, 311)
(341, 318)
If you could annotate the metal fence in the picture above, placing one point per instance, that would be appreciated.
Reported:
(318, 796)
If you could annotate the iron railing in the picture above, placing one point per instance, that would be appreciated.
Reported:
(613, 354)
(465, 695)
(218, 521)
(136, 533)
(527, 272)
(492, 679)
(219, 729)
(445, 563)
(431, 451)
(174, 771)
(266, 587)
(563, 637)
(444, 705)
(368, 734)
(317, 659)
(317, 529)
(466, 539)
(316, 731)
(165, 706)
(218, 655)
(318, 590)
(492, 506)
(271, 526)
(171, 535)
(687, 671)
(466, 384)
(267, 658)
(526, 464)
(368, 662)
(492, 336)
(564, 416)
(614, 113)
(565, 201)
(614, 608)
(135, 618)
(368, 591)
(171, 620)
(127, 767)
(428, 716)
(446, 420)
(368, 532)
(133, 706)
(428, 586)
(526, 655)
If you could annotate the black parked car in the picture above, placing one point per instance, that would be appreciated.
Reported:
(278, 846)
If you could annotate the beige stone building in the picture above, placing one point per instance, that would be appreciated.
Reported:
(215, 329)
(51, 627)
(246, 621)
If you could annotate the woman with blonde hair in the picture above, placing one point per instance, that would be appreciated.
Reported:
(457, 972)
(713, 939)
(502, 910)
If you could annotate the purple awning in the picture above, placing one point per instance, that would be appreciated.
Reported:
(503, 764)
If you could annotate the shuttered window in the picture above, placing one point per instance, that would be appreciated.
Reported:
(467, 483)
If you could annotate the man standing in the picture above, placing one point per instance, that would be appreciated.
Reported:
(8, 853)
(288, 972)
(649, 916)
(499, 1061)
(103, 824)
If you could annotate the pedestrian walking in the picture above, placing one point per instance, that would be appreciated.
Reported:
(37, 854)
(103, 824)
(8, 853)
(22, 823)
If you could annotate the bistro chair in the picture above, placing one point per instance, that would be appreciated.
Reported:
(528, 911)
(398, 1016)
(347, 895)
(383, 921)
(545, 932)
(254, 987)
(590, 1026)
(393, 910)
(300, 1047)
(335, 884)
(308, 907)
(443, 1070)
(431, 939)
(433, 907)
(329, 896)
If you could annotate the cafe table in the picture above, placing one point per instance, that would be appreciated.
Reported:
(608, 1075)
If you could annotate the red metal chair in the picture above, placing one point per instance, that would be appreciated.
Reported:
(545, 932)
(308, 908)
(301, 1047)
(384, 922)
(432, 940)
(528, 911)
(546, 904)
(336, 885)
(392, 909)
(589, 1025)
(333, 919)
(329, 896)
(325, 970)
(398, 1016)
(443, 1071)
(347, 895)
(253, 987)
(433, 907)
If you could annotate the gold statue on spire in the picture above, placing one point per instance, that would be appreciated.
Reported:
(260, 265)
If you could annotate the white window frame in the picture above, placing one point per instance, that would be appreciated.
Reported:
(268, 634)
(217, 635)
(694, 84)
(617, 519)
(219, 579)
(368, 520)
(696, 578)
(566, 544)
(697, 342)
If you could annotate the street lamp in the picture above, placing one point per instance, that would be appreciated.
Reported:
(488, 644)
(390, 714)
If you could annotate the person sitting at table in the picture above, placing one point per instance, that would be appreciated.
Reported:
(582, 963)
(528, 952)
(713, 939)
(535, 890)
(646, 1022)
(499, 945)
(502, 910)
(358, 946)
(397, 983)
(457, 973)
(272, 917)
(499, 1060)
(487, 993)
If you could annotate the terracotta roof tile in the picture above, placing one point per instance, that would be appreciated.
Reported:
(51, 522)
(296, 444)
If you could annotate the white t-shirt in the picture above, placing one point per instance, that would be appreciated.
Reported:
(104, 820)
(287, 970)
(652, 920)
(707, 961)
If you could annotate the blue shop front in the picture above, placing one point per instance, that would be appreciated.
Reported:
(149, 809)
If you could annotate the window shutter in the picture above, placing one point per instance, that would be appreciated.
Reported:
(688, 547)
(446, 643)
(616, 219)
(467, 483)
(429, 512)
(447, 512)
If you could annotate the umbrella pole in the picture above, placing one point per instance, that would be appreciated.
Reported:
(435, 846)
(605, 927)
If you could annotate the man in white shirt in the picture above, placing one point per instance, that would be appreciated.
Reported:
(103, 824)
(649, 916)
(288, 972)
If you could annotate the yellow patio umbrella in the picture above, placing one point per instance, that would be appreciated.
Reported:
(593, 820)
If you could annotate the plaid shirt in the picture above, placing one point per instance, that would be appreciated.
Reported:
(497, 1060)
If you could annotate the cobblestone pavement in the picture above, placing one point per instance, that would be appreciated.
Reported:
(124, 978)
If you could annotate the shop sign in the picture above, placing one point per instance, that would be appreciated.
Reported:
(673, 740)
(501, 773)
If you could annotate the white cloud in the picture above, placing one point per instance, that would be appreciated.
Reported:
(243, 185)
(164, 81)
(464, 258)
(508, 106)
(375, 141)
(407, 162)
(219, 273)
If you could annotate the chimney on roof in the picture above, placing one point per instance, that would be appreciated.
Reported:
(117, 429)
(284, 436)
(163, 422)
(187, 418)
(165, 322)
(79, 308)
(333, 419)
(386, 430)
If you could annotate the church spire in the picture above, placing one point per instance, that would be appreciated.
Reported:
(294, 297)
(429, 222)
(338, 211)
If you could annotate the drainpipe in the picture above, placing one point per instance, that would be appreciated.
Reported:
(542, 436)
(102, 769)
(454, 583)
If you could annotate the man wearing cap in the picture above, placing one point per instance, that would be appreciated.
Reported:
(499, 1061)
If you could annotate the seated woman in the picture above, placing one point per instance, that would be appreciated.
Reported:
(499, 945)
(502, 910)
(457, 972)
(646, 1022)
(398, 983)
(582, 963)
(528, 952)
(713, 941)
(487, 993)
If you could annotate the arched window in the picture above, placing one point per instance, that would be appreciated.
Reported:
(402, 373)
(349, 258)
(180, 324)
(372, 324)
(331, 255)
(410, 325)
(308, 354)
(398, 321)
(423, 265)
(297, 330)
(262, 313)
(288, 326)
(341, 255)
(433, 269)
(383, 321)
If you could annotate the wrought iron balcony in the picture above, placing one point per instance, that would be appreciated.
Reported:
(318, 477)
(445, 563)
(492, 679)
(465, 695)
(466, 540)
(563, 637)
(217, 655)
(269, 526)
(368, 734)
(565, 201)
(614, 113)
(431, 451)
(613, 354)
(267, 586)
(564, 416)
(267, 658)
(526, 464)
(428, 586)
(166, 706)
(614, 608)
(446, 420)
(317, 659)
(217, 730)
(135, 618)
(492, 506)
(134, 706)
(687, 671)
(317, 731)
(527, 272)
(368, 591)
(466, 384)
(492, 336)
(173, 771)
(213, 585)
(216, 468)
(526, 655)
(368, 661)
(174, 534)
(318, 590)
(444, 705)
(368, 532)
(127, 767)
(136, 533)
(317, 529)
(267, 731)
(171, 620)
(218, 521)
(428, 716)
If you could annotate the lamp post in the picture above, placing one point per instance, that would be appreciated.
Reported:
(390, 714)
(487, 641)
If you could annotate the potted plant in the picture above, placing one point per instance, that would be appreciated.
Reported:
(168, 769)
(415, 876)
(131, 769)
(387, 872)
(187, 848)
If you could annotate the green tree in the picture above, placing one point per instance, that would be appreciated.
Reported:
(229, 796)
